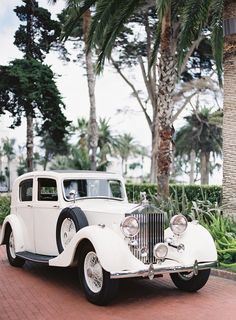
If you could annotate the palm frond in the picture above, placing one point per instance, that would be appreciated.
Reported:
(74, 10)
(108, 21)
(217, 39)
(194, 17)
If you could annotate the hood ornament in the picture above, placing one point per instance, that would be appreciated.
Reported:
(143, 198)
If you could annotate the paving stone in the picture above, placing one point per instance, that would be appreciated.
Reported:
(37, 292)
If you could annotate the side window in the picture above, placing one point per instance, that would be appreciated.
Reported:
(47, 190)
(26, 188)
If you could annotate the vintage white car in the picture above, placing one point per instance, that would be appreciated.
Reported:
(83, 219)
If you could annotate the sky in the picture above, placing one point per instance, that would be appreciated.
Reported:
(112, 93)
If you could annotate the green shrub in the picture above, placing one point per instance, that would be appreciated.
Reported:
(191, 192)
(223, 231)
(4, 207)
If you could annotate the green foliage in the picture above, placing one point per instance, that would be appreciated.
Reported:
(27, 88)
(191, 18)
(223, 231)
(180, 192)
(4, 207)
(38, 31)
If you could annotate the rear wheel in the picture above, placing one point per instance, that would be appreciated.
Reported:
(96, 283)
(187, 281)
(11, 254)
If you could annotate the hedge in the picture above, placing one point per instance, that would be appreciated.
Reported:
(4, 207)
(192, 192)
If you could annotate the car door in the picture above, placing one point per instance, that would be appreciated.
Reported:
(46, 213)
(25, 212)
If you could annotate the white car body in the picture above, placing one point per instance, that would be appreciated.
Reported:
(34, 223)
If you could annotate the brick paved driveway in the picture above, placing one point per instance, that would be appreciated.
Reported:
(38, 292)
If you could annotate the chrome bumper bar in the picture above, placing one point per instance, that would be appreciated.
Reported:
(152, 270)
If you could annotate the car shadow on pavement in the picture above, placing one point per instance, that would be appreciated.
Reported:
(130, 290)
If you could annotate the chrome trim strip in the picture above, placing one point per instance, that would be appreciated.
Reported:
(161, 270)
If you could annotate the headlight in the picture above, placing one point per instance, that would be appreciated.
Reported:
(160, 250)
(178, 224)
(130, 227)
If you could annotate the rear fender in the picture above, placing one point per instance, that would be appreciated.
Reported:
(13, 222)
(112, 251)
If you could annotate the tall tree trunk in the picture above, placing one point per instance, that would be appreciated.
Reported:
(192, 166)
(167, 80)
(29, 117)
(29, 143)
(204, 164)
(9, 173)
(229, 119)
(153, 175)
(93, 127)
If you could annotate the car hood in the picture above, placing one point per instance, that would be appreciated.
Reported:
(106, 205)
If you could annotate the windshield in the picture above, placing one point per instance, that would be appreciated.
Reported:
(93, 188)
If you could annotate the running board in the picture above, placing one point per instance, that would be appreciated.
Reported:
(34, 257)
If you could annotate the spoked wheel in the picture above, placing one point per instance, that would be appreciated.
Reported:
(68, 230)
(188, 281)
(97, 285)
(11, 254)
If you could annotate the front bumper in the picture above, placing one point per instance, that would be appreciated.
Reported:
(151, 270)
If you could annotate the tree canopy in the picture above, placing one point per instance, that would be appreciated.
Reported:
(27, 88)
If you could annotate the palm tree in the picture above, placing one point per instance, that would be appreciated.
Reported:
(108, 21)
(126, 147)
(8, 151)
(229, 122)
(107, 142)
(75, 32)
(201, 137)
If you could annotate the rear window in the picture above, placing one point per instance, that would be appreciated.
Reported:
(26, 190)
(47, 189)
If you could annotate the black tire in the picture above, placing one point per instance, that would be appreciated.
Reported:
(109, 286)
(77, 216)
(12, 258)
(187, 282)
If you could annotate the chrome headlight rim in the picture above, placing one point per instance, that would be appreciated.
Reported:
(124, 224)
(178, 228)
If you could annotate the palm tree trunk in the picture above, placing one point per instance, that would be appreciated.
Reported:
(204, 163)
(29, 143)
(9, 173)
(93, 127)
(192, 166)
(153, 175)
(229, 119)
(167, 80)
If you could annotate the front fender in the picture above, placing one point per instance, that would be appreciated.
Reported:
(13, 221)
(198, 243)
(112, 251)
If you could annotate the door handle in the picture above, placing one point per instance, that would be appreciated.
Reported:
(56, 206)
(29, 206)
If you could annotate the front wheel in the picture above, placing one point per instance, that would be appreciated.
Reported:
(187, 281)
(96, 283)
(11, 254)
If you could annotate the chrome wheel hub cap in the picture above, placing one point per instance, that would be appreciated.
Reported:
(12, 246)
(68, 231)
(93, 272)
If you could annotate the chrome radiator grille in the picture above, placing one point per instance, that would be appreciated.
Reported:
(151, 232)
